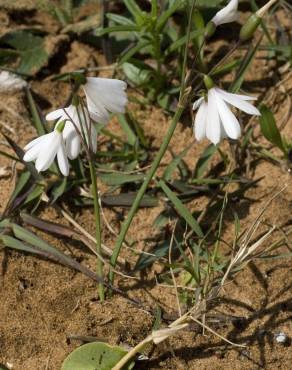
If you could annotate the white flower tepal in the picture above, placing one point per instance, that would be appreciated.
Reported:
(44, 149)
(215, 120)
(71, 137)
(226, 15)
(104, 96)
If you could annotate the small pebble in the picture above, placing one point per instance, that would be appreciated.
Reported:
(281, 337)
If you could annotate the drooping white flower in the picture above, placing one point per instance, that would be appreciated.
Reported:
(215, 119)
(104, 96)
(71, 137)
(227, 14)
(44, 149)
(10, 82)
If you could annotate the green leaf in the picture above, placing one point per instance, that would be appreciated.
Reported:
(127, 28)
(168, 13)
(270, 129)
(36, 193)
(127, 199)
(95, 356)
(83, 26)
(174, 164)
(59, 189)
(135, 74)
(120, 20)
(132, 51)
(37, 119)
(204, 160)
(135, 10)
(21, 182)
(182, 209)
(30, 48)
(245, 64)
(208, 3)
(120, 178)
(132, 138)
(181, 42)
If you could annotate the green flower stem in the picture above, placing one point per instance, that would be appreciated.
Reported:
(99, 267)
(184, 94)
(143, 188)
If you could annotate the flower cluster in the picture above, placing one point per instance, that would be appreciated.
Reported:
(75, 123)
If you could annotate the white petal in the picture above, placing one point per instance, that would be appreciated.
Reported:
(201, 121)
(228, 14)
(55, 115)
(49, 151)
(230, 123)
(97, 112)
(32, 153)
(73, 145)
(63, 160)
(240, 103)
(240, 96)
(213, 131)
(197, 103)
(104, 95)
(33, 143)
(107, 83)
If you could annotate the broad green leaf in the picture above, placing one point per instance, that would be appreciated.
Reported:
(95, 356)
(181, 209)
(269, 128)
(30, 48)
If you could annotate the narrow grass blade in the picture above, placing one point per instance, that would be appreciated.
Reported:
(181, 209)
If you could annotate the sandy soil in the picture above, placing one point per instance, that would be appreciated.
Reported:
(44, 305)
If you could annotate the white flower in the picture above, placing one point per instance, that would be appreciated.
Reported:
(70, 135)
(105, 95)
(44, 149)
(215, 119)
(11, 82)
(227, 14)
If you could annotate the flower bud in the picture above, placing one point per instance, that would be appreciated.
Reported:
(249, 28)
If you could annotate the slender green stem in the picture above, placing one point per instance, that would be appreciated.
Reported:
(99, 267)
(143, 188)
